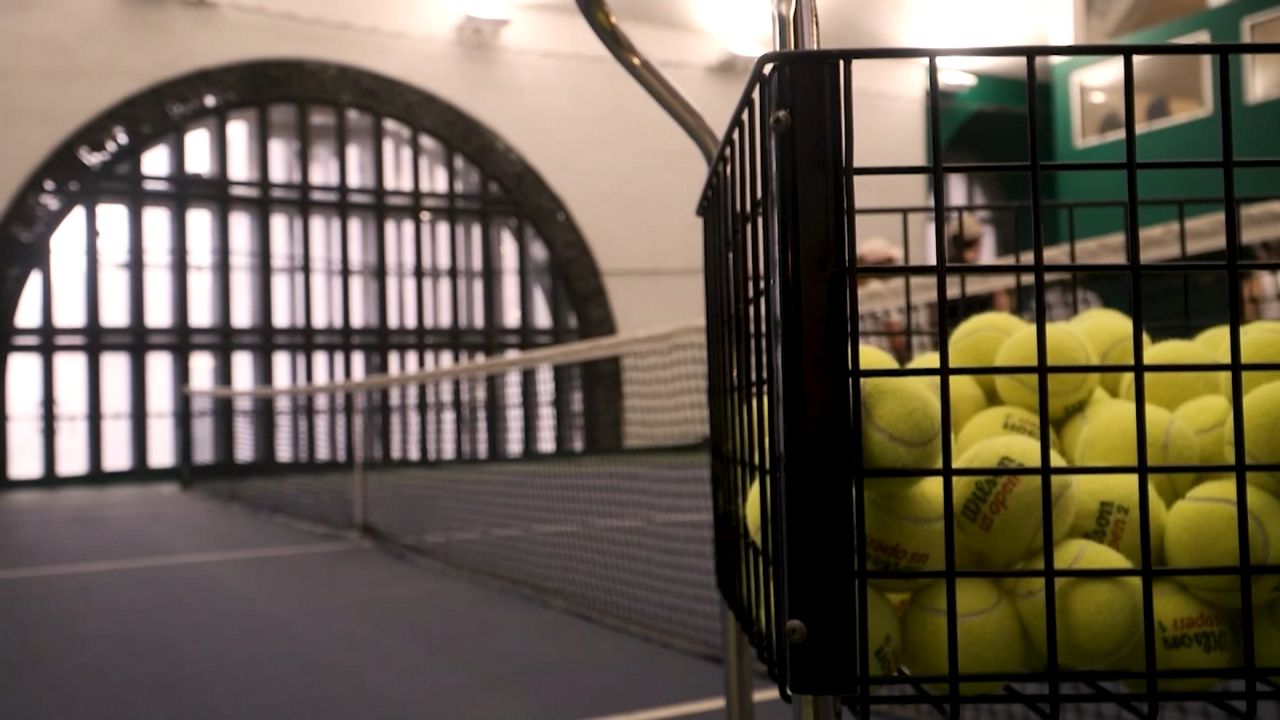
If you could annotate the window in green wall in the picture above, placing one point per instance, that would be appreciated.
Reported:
(1262, 72)
(1168, 90)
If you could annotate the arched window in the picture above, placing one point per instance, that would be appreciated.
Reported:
(274, 224)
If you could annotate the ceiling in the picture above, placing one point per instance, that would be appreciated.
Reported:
(868, 23)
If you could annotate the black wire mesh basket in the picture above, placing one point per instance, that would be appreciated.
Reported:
(879, 547)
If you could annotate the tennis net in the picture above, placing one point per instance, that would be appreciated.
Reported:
(578, 472)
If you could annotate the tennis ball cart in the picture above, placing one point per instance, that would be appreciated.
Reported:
(1041, 483)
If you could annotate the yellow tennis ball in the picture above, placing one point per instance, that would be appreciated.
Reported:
(1111, 439)
(1096, 616)
(1213, 339)
(901, 425)
(1067, 392)
(1261, 414)
(989, 638)
(1171, 389)
(975, 342)
(1201, 532)
(884, 635)
(999, 515)
(751, 512)
(1070, 430)
(1109, 511)
(1207, 417)
(871, 357)
(1001, 420)
(1266, 636)
(1259, 344)
(1110, 335)
(1190, 635)
(967, 396)
(905, 533)
(1093, 313)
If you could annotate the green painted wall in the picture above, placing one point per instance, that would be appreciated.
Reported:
(1256, 134)
(990, 123)
(1169, 299)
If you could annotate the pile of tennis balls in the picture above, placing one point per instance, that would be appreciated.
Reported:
(1096, 519)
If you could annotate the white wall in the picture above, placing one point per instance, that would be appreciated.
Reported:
(626, 173)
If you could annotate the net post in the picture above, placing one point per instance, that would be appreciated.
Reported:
(737, 668)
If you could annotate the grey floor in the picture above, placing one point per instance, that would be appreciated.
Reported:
(147, 602)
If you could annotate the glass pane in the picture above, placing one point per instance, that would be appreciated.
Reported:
(466, 176)
(1168, 89)
(67, 268)
(243, 238)
(113, 265)
(288, 304)
(395, 400)
(284, 408)
(397, 155)
(412, 411)
(70, 413)
(244, 419)
(442, 274)
(201, 152)
(326, 270)
(433, 168)
(161, 429)
(284, 164)
(203, 295)
(1264, 70)
(507, 293)
(539, 302)
(24, 415)
(322, 152)
(322, 414)
(408, 273)
(157, 273)
(202, 367)
(360, 149)
(30, 311)
(157, 160)
(362, 265)
(394, 275)
(243, 164)
(115, 381)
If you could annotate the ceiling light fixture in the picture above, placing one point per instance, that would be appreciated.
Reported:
(482, 20)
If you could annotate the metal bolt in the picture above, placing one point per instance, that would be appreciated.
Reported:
(779, 121)
(796, 631)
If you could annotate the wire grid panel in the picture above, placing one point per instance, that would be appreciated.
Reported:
(809, 332)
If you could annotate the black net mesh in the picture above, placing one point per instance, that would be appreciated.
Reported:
(579, 473)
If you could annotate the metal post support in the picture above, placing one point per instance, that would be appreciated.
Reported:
(737, 668)
(814, 403)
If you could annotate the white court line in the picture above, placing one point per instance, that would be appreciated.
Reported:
(685, 709)
(23, 573)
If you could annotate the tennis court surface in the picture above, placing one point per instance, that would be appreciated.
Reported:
(153, 602)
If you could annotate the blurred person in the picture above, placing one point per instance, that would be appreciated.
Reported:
(882, 327)
(1261, 288)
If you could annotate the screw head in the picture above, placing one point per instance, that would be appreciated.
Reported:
(779, 121)
(796, 631)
